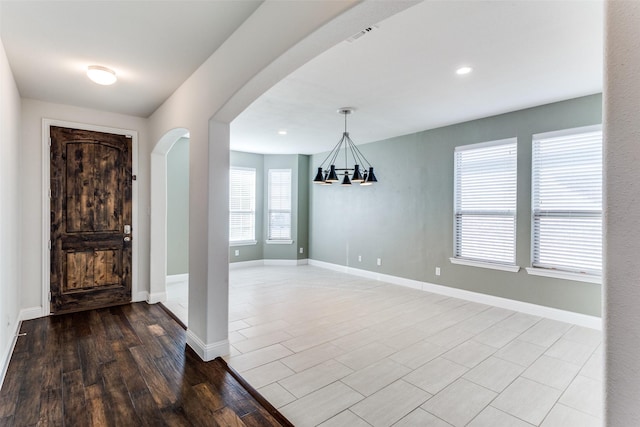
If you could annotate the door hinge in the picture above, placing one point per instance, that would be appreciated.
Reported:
(49, 296)
(49, 244)
(49, 142)
(49, 193)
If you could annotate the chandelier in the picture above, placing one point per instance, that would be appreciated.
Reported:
(328, 173)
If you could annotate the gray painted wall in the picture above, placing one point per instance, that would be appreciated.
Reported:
(272, 161)
(254, 161)
(302, 242)
(299, 165)
(178, 208)
(407, 218)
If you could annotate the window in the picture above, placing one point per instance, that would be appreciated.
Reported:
(242, 205)
(279, 229)
(567, 202)
(485, 204)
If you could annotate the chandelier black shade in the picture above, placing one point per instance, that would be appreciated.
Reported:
(328, 172)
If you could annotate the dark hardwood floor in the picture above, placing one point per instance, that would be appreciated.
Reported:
(122, 366)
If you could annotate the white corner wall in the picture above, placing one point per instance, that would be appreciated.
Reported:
(622, 213)
(10, 177)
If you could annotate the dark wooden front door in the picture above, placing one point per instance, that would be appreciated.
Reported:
(90, 220)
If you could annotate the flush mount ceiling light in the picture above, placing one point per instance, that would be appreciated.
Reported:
(328, 172)
(282, 132)
(463, 70)
(101, 75)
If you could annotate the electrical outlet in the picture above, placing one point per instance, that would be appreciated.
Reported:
(437, 271)
(359, 258)
(237, 252)
(301, 250)
(379, 261)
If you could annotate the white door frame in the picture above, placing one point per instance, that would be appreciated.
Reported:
(136, 294)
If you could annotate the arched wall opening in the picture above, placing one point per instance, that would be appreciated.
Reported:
(158, 215)
(205, 104)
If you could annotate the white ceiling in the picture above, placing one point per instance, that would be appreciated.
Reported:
(399, 77)
(153, 46)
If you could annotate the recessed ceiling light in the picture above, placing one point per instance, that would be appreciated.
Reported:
(282, 132)
(463, 70)
(101, 75)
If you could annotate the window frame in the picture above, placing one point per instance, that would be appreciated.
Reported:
(279, 240)
(555, 271)
(246, 241)
(510, 266)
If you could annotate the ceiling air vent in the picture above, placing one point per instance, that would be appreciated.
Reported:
(362, 33)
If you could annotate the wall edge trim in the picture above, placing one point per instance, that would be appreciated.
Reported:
(140, 296)
(246, 264)
(31, 313)
(156, 297)
(207, 352)
(6, 358)
(175, 278)
(271, 262)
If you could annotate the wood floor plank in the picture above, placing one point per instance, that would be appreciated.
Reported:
(174, 416)
(121, 366)
(162, 393)
(74, 402)
(69, 350)
(200, 404)
(89, 360)
(99, 334)
(51, 412)
(123, 411)
(225, 417)
(96, 405)
(128, 370)
(28, 408)
(146, 408)
(11, 387)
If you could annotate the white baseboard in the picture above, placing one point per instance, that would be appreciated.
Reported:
(207, 352)
(579, 319)
(156, 297)
(245, 264)
(140, 296)
(286, 262)
(31, 313)
(270, 262)
(176, 278)
(6, 357)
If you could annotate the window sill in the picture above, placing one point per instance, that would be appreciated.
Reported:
(279, 242)
(502, 267)
(567, 275)
(243, 243)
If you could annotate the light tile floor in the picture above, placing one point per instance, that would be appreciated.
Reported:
(332, 349)
(178, 300)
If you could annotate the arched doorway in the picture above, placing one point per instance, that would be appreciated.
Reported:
(159, 267)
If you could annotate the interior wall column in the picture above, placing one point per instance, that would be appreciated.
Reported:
(622, 213)
(209, 240)
(218, 261)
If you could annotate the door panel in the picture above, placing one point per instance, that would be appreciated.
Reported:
(90, 207)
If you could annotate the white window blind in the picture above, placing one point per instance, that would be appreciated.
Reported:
(242, 205)
(485, 202)
(279, 204)
(567, 201)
